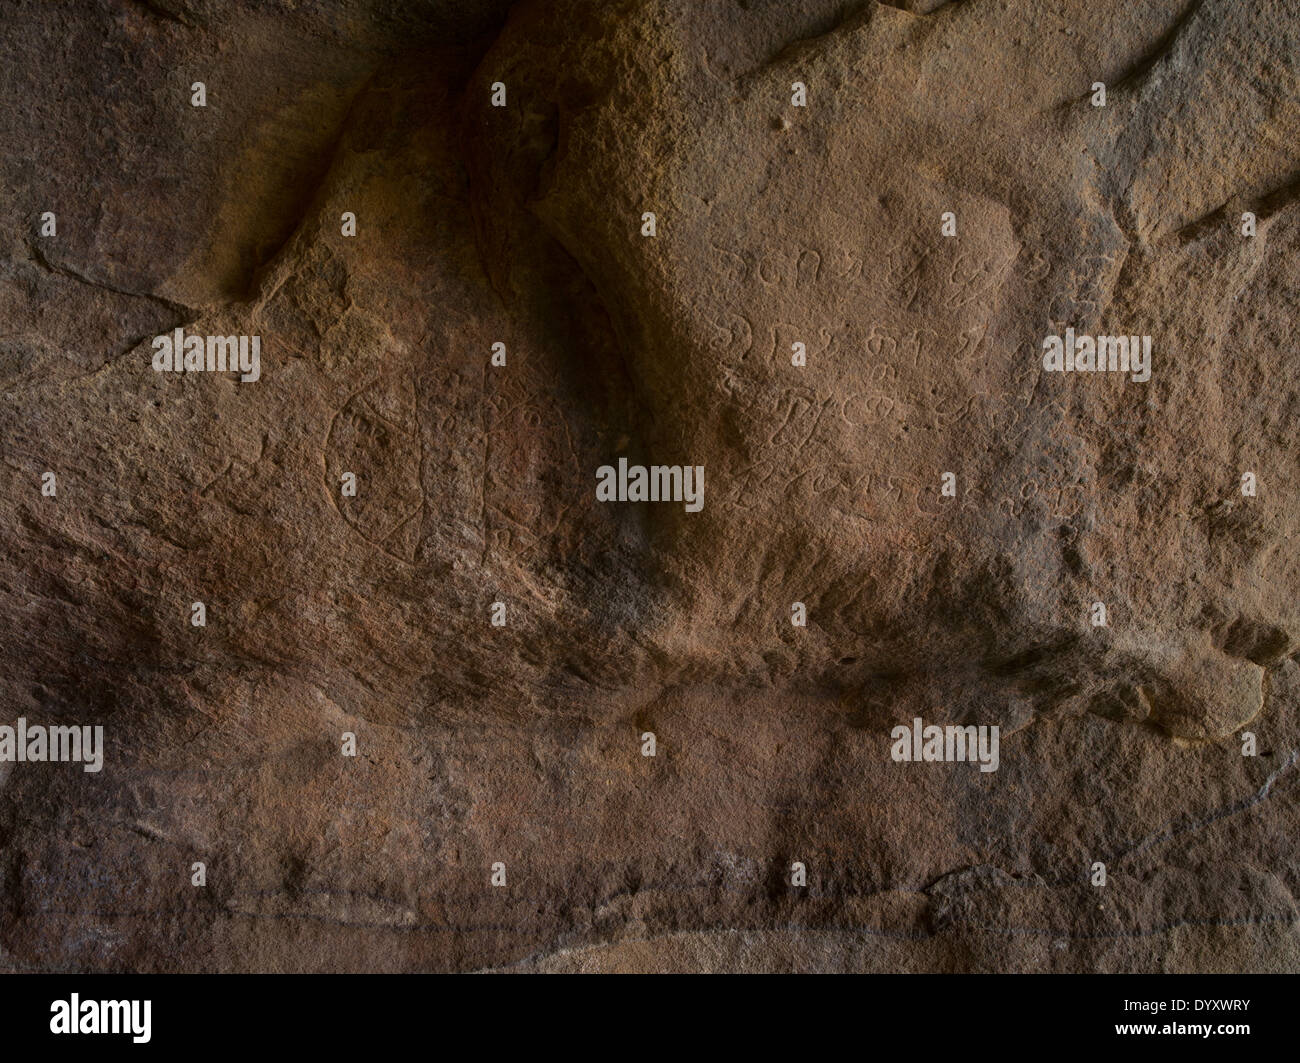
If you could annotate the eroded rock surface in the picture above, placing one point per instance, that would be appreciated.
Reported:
(775, 225)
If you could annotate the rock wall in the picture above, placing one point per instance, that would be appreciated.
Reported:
(817, 250)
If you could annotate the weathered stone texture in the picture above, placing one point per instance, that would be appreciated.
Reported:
(775, 224)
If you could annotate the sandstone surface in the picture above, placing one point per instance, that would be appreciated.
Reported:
(774, 225)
